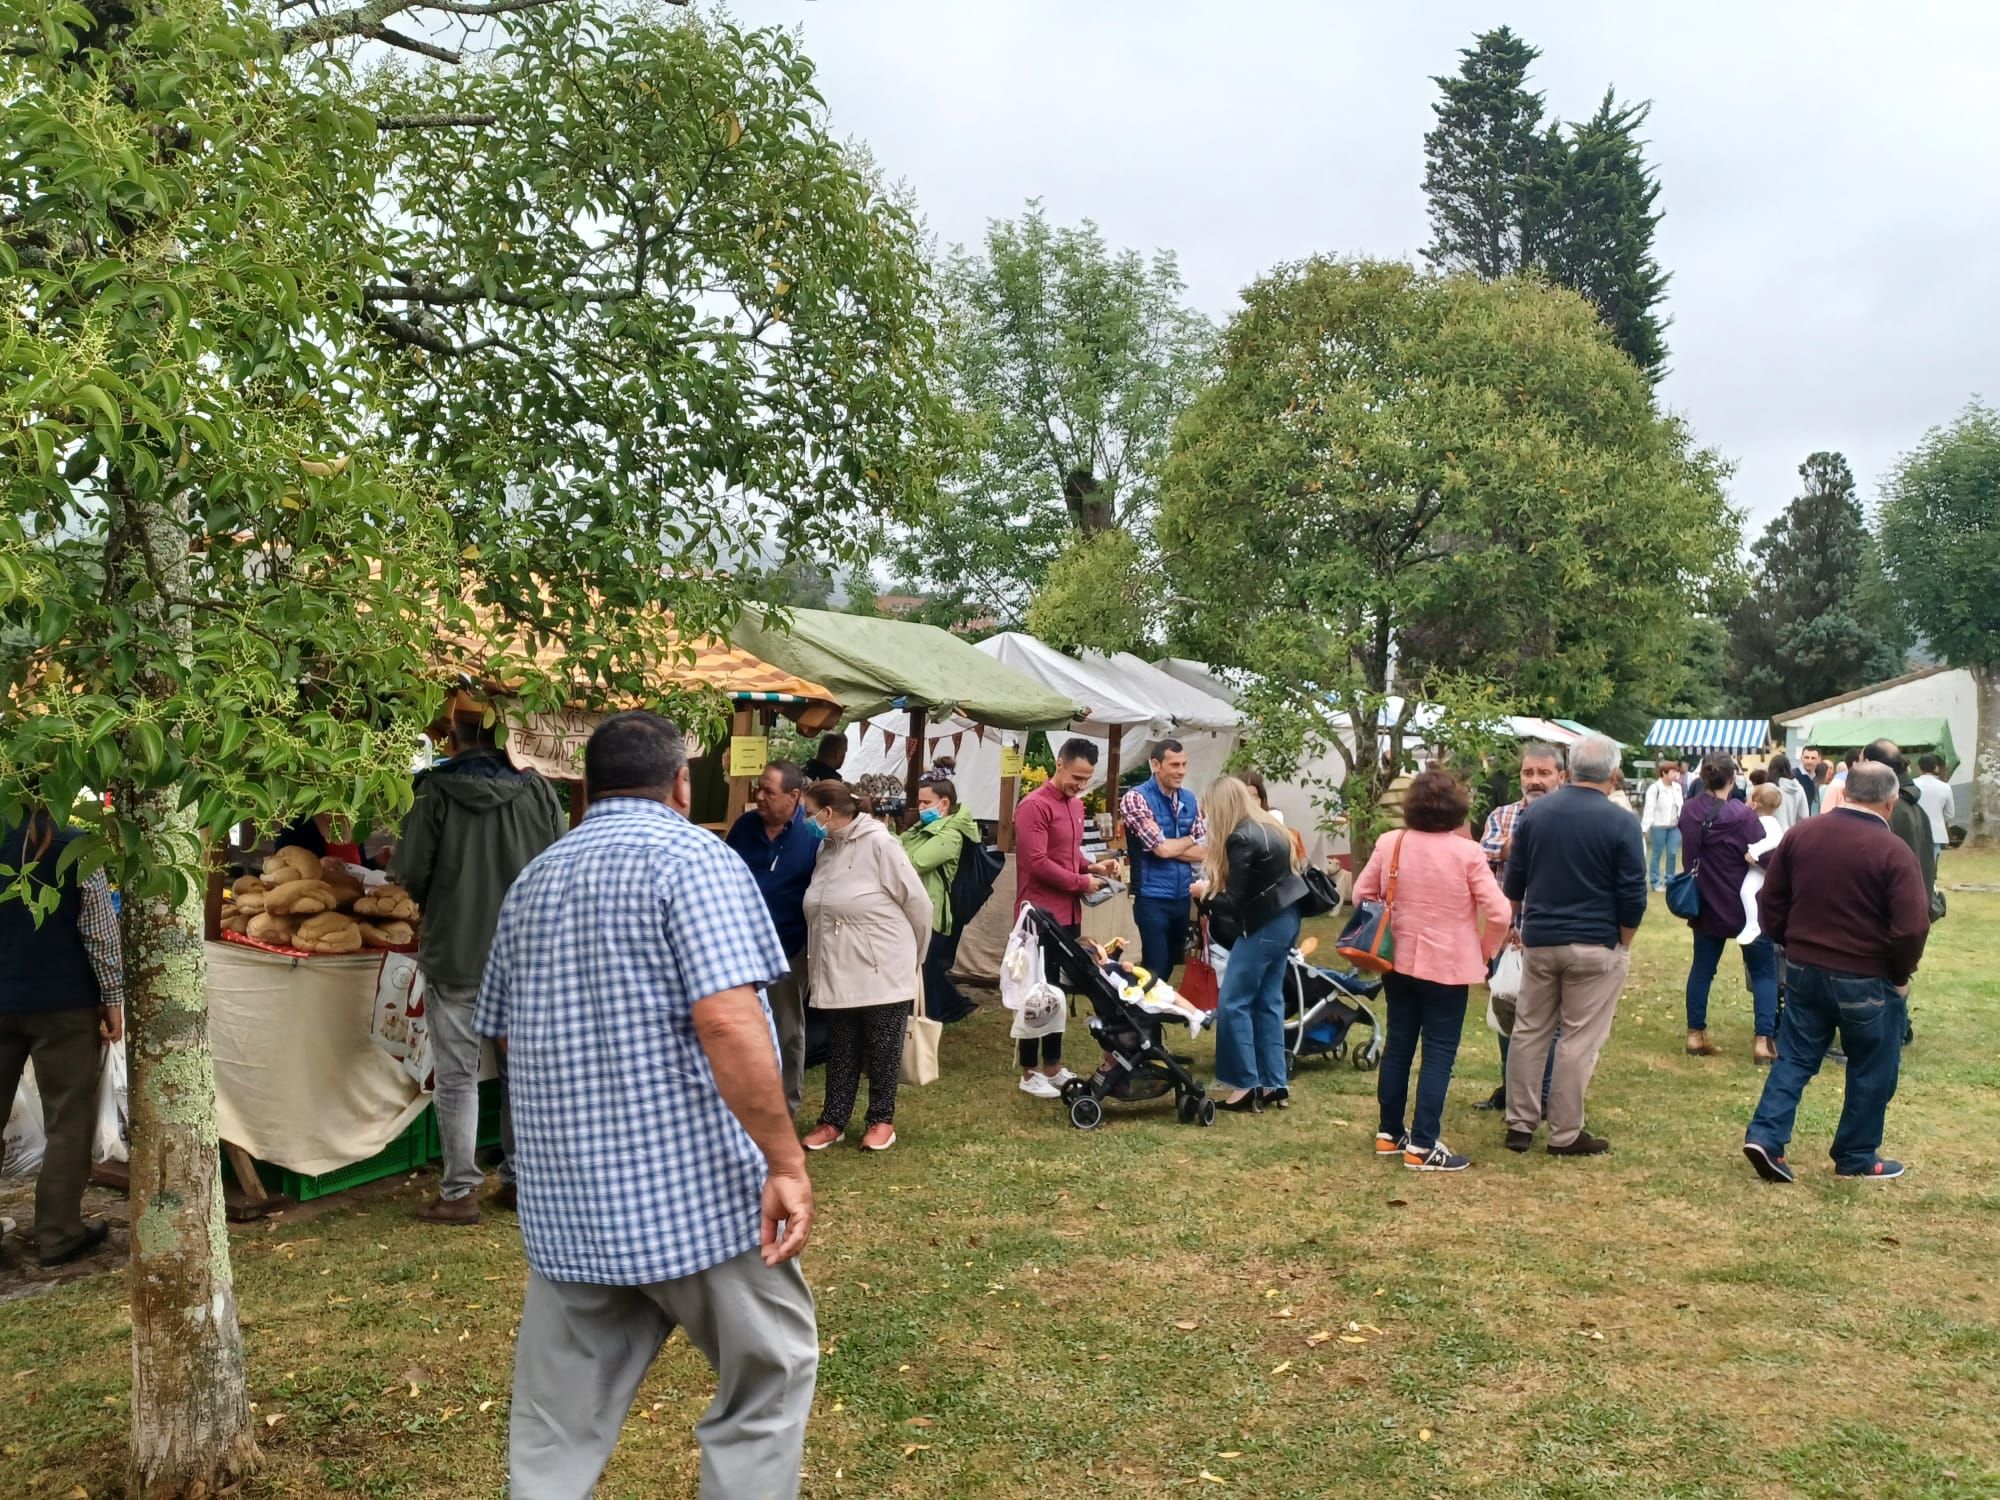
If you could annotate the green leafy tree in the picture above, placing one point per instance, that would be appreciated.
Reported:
(1572, 202)
(1484, 172)
(1411, 489)
(1071, 363)
(1597, 222)
(1818, 620)
(314, 395)
(1099, 596)
(1940, 537)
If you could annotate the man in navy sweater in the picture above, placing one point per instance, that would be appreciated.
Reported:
(1577, 877)
(1844, 897)
(775, 839)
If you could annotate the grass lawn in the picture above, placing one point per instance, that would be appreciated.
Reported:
(1009, 1307)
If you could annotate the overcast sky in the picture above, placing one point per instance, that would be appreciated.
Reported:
(1828, 170)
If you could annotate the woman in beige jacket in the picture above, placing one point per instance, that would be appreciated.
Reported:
(868, 922)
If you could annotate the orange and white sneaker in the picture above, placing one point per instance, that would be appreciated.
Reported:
(878, 1137)
(1389, 1145)
(1437, 1159)
(820, 1137)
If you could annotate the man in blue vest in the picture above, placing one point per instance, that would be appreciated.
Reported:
(1164, 834)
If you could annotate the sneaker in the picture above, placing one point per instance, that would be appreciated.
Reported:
(1520, 1140)
(1495, 1100)
(1879, 1171)
(1770, 1165)
(820, 1137)
(878, 1137)
(1437, 1159)
(1039, 1086)
(1390, 1145)
(1061, 1077)
(1585, 1144)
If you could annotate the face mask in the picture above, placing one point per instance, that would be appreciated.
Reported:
(929, 815)
(816, 828)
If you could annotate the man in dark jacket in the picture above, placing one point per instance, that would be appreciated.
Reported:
(1577, 877)
(62, 992)
(1844, 897)
(476, 824)
(1908, 820)
(775, 840)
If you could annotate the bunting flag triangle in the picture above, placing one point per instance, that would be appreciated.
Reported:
(957, 741)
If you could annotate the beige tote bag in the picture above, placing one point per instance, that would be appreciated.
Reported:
(920, 1044)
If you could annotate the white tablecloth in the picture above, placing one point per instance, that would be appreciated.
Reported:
(297, 1081)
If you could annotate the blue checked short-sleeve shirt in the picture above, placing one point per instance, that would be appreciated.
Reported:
(631, 1168)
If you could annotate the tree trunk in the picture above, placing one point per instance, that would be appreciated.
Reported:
(1984, 825)
(191, 1432)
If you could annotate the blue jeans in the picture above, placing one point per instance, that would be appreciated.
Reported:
(1665, 847)
(1434, 1014)
(1760, 965)
(1868, 1017)
(1250, 1012)
(1163, 933)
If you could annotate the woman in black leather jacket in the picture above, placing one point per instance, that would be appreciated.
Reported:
(1252, 881)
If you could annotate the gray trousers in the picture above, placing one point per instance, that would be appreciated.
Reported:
(455, 1049)
(787, 999)
(583, 1350)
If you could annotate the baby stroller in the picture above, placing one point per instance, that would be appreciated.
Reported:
(1322, 1008)
(1137, 1064)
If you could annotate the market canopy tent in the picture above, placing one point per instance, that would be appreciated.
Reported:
(872, 665)
(1912, 736)
(1700, 736)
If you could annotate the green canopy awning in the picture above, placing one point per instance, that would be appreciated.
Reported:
(872, 664)
(1911, 736)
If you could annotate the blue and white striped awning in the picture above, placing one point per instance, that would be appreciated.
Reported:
(1735, 736)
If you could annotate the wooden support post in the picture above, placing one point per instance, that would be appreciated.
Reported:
(579, 803)
(1010, 793)
(919, 721)
(1111, 777)
(211, 906)
(742, 725)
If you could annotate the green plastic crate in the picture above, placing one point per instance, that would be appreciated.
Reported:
(488, 1128)
(400, 1155)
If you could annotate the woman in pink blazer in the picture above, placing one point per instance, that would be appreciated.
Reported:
(1442, 888)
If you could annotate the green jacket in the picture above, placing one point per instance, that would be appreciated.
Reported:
(476, 825)
(1913, 826)
(935, 849)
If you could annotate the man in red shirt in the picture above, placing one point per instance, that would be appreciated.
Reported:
(1845, 899)
(1053, 874)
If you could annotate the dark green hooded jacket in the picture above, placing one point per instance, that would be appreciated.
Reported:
(1912, 825)
(476, 825)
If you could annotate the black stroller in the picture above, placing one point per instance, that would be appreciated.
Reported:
(1137, 1064)
(1322, 1008)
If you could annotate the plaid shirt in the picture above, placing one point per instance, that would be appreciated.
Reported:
(1499, 829)
(631, 1168)
(97, 925)
(1142, 825)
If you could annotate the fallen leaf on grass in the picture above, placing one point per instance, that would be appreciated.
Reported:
(1283, 1312)
(918, 1422)
(1314, 1340)
(1398, 1203)
(1423, 1434)
(488, 1404)
(909, 1448)
(1352, 1338)
(274, 1419)
(1207, 1478)
(1233, 1453)
(1187, 1325)
(79, 1493)
(1282, 1368)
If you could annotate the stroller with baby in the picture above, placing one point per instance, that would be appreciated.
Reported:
(1322, 1008)
(1128, 1012)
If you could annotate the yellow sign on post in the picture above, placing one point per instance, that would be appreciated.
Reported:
(748, 754)
(1010, 762)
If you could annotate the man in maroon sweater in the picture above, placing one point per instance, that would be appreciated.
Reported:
(1845, 900)
(1053, 875)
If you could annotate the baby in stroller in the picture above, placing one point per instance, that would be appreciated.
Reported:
(1128, 1009)
(1322, 1008)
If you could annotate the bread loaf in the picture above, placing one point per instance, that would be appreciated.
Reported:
(387, 934)
(291, 864)
(387, 902)
(329, 932)
(301, 898)
(277, 931)
(346, 889)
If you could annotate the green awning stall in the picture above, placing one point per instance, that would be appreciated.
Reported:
(1912, 736)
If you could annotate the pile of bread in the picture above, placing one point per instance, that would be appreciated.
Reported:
(318, 906)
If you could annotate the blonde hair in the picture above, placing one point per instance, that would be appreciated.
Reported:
(1767, 798)
(1228, 806)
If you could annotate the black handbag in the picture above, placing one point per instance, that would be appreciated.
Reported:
(1322, 895)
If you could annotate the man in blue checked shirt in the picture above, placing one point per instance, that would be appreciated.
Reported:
(661, 1184)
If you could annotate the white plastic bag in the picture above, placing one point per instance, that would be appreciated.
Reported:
(26, 1139)
(110, 1140)
(1503, 990)
(1040, 1008)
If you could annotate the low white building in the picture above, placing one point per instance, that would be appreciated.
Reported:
(1940, 692)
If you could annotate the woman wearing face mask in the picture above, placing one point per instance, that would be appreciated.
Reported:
(938, 840)
(868, 923)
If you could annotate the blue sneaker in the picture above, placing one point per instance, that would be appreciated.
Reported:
(1880, 1170)
(1770, 1164)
